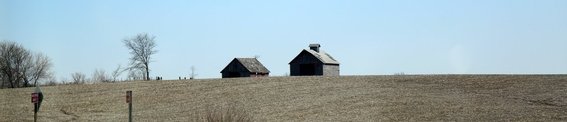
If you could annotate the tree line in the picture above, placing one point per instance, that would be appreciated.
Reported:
(20, 67)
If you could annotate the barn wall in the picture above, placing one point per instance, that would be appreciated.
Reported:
(241, 74)
(305, 58)
(331, 70)
(259, 75)
(235, 67)
(245, 74)
(294, 69)
(225, 74)
(319, 69)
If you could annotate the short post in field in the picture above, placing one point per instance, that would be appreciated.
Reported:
(37, 97)
(35, 101)
(129, 101)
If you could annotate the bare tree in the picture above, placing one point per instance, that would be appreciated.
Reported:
(51, 81)
(141, 48)
(39, 69)
(99, 75)
(78, 78)
(192, 73)
(136, 74)
(117, 73)
(64, 80)
(2, 80)
(21, 68)
(12, 58)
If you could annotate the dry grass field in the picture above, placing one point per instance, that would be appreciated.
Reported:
(345, 98)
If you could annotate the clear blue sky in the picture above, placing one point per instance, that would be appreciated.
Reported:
(371, 37)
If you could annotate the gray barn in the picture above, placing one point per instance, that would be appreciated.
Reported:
(314, 61)
(245, 67)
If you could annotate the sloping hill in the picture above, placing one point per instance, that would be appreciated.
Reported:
(347, 98)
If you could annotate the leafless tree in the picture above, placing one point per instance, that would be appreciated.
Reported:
(21, 68)
(99, 75)
(51, 81)
(12, 58)
(1, 80)
(141, 48)
(64, 81)
(136, 74)
(192, 73)
(78, 78)
(39, 68)
(117, 73)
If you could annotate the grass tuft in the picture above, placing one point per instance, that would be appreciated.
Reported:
(227, 114)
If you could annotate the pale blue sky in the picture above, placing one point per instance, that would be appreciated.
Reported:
(367, 37)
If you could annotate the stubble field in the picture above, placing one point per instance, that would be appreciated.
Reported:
(345, 98)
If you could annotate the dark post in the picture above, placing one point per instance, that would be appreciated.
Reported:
(37, 97)
(35, 113)
(35, 101)
(129, 101)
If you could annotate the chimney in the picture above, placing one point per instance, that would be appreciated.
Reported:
(314, 47)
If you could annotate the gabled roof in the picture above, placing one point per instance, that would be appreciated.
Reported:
(251, 64)
(322, 56)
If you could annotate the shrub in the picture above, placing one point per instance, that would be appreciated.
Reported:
(227, 114)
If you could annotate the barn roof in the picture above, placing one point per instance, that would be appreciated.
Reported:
(323, 56)
(253, 65)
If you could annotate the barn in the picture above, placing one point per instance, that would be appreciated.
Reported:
(245, 67)
(314, 61)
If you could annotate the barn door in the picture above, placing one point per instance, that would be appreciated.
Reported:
(306, 69)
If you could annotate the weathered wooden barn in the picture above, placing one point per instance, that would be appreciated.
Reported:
(245, 67)
(314, 61)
